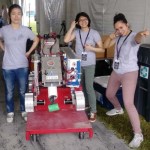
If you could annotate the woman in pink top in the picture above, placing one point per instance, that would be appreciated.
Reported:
(125, 72)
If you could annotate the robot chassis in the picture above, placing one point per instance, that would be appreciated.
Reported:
(56, 104)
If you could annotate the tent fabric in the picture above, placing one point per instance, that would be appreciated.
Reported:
(52, 12)
(49, 15)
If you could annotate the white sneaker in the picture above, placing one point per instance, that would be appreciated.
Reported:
(10, 117)
(92, 117)
(136, 141)
(24, 115)
(114, 112)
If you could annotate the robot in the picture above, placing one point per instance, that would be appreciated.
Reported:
(55, 101)
(58, 69)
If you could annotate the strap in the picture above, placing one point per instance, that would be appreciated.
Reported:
(83, 45)
(118, 50)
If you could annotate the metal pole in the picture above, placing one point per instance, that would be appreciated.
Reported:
(29, 13)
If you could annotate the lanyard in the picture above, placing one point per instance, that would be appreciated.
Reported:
(85, 39)
(118, 50)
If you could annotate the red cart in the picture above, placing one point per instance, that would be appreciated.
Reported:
(65, 120)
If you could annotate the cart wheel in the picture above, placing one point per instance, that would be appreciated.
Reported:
(34, 137)
(81, 135)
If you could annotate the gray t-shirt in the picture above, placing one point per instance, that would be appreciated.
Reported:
(128, 54)
(92, 39)
(15, 46)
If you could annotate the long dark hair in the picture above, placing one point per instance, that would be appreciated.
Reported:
(120, 17)
(84, 15)
(11, 8)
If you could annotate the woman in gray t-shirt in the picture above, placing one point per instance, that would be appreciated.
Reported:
(125, 72)
(15, 60)
(88, 41)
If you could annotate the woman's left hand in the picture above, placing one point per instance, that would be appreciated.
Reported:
(88, 47)
(27, 54)
(145, 33)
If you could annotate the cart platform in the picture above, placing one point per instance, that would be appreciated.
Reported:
(62, 121)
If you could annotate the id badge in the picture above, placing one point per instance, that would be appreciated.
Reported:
(116, 64)
(84, 56)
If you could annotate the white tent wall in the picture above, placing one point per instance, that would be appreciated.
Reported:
(49, 15)
(101, 13)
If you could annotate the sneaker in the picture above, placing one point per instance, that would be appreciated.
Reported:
(92, 117)
(10, 117)
(114, 112)
(136, 141)
(24, 115)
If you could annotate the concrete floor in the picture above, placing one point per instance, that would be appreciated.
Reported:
(12, 135)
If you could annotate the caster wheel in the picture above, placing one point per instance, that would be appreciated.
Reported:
(34, 138)
(81, 135)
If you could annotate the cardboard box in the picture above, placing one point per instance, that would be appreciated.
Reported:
(109, 53)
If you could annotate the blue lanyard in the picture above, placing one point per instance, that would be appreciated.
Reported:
(83, 45)
(119, 49)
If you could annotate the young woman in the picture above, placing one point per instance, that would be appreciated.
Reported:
(88, 41)
(125, 72)
(15, 60)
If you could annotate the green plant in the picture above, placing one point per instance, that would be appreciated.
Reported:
(33, 26)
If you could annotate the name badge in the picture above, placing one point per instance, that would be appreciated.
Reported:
(84, 56)
(116, 64)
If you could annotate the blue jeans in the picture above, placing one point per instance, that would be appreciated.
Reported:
(11, 77)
